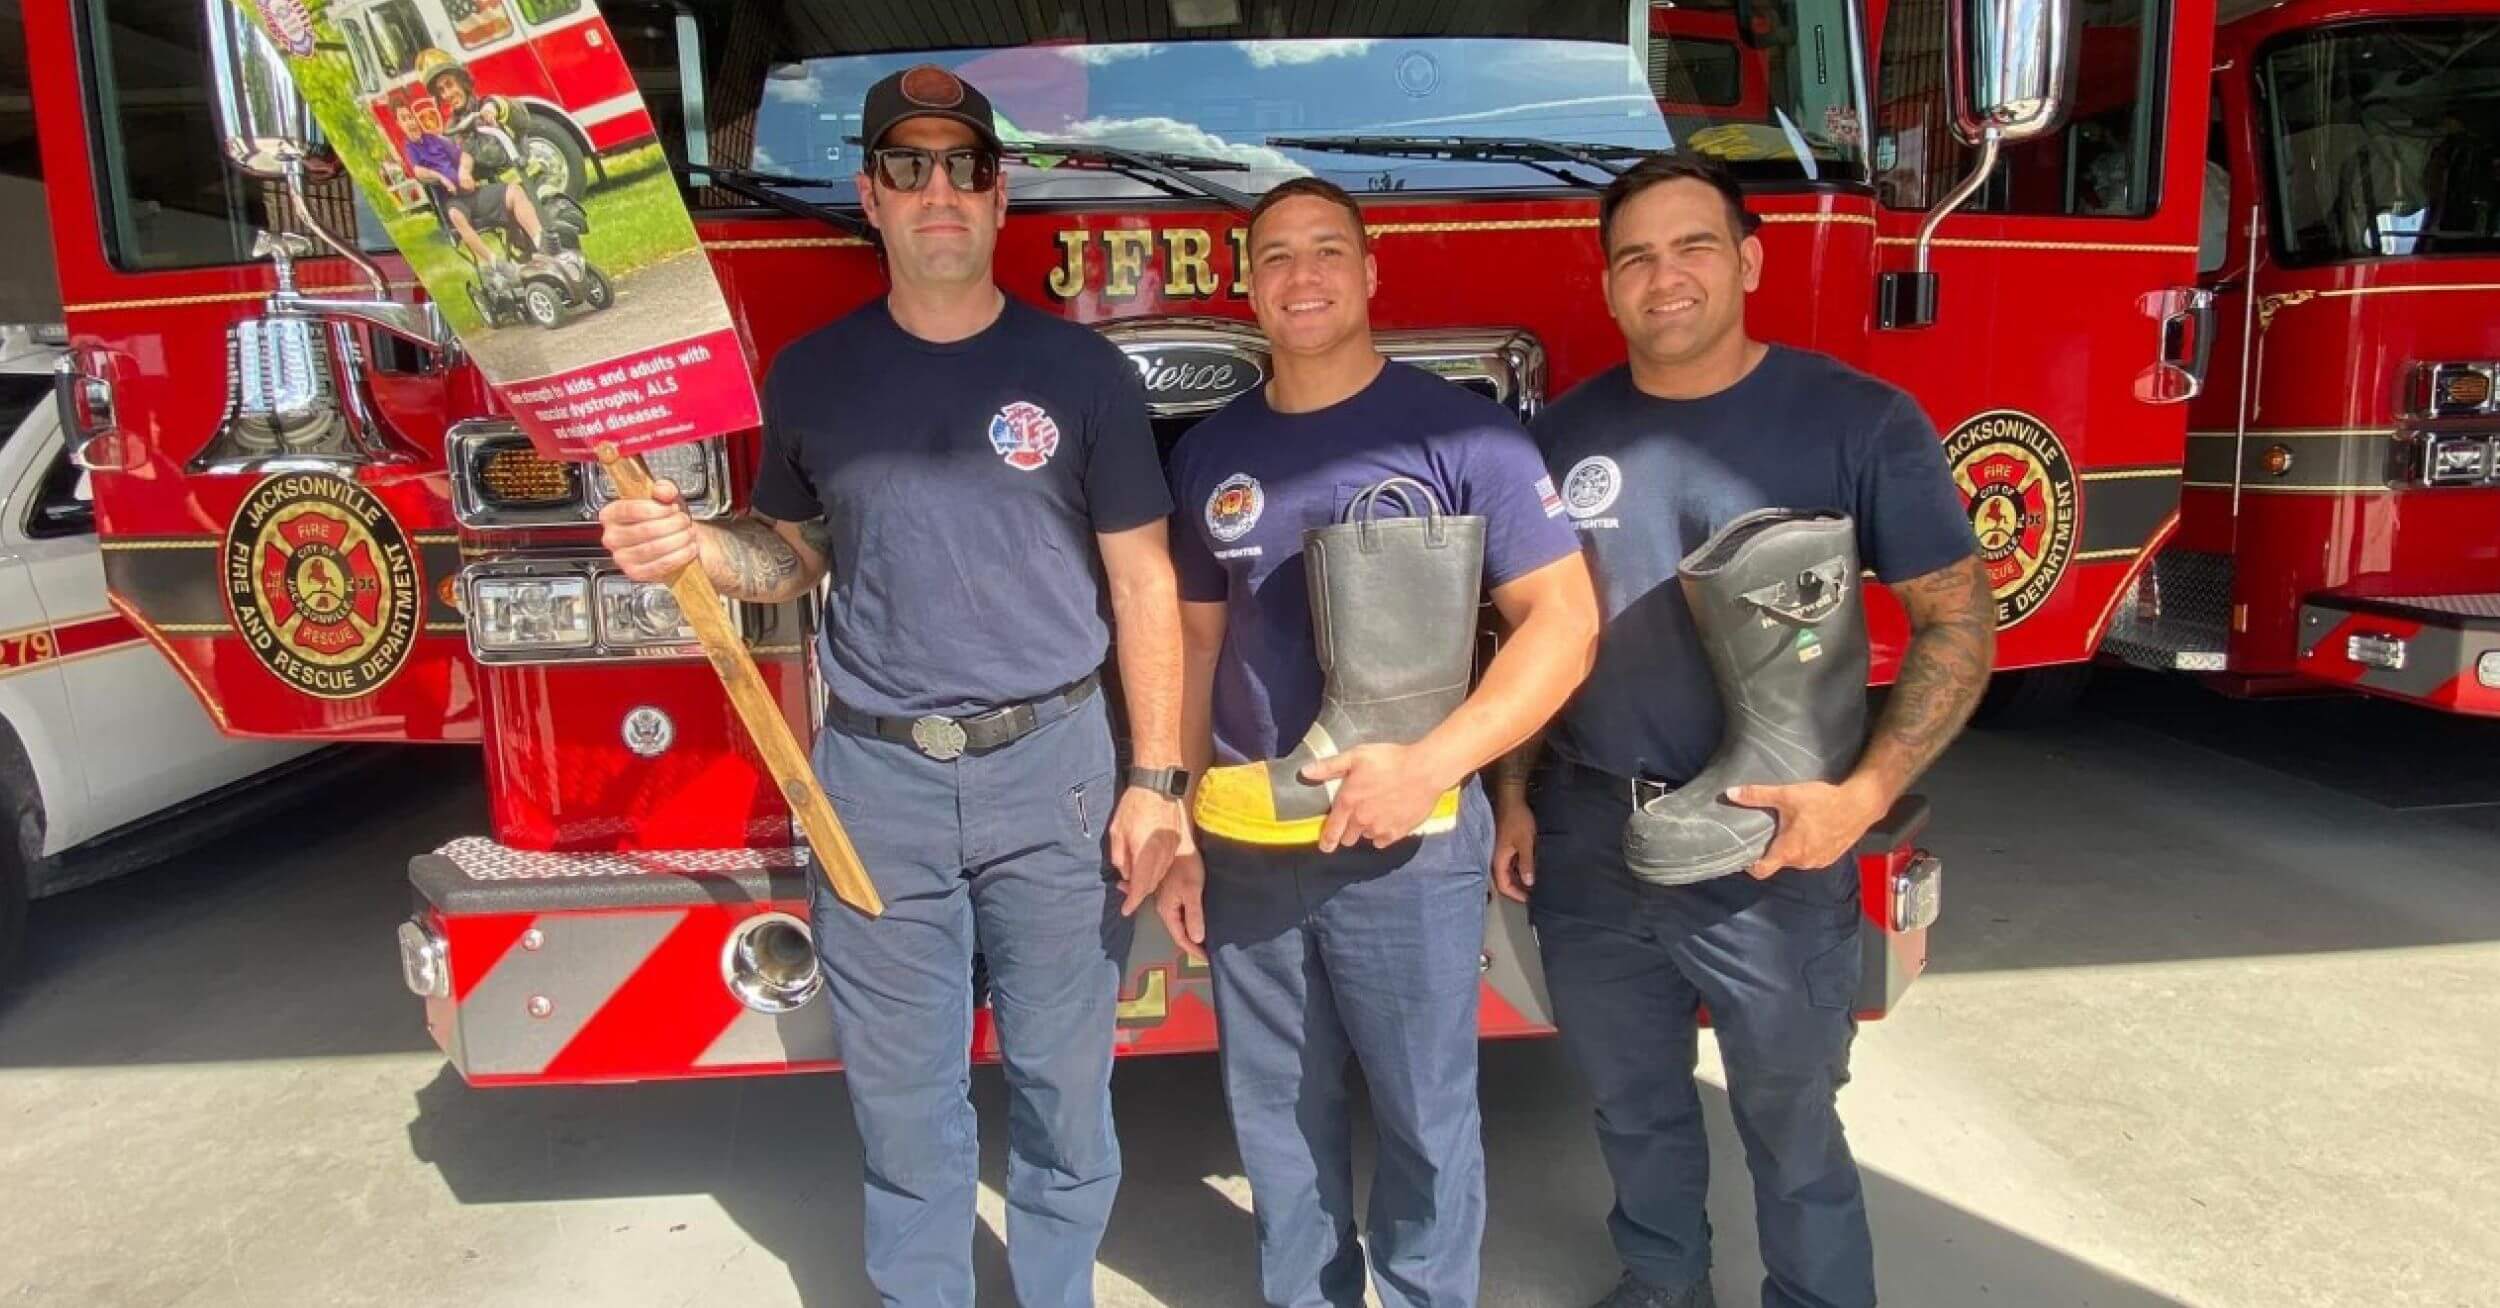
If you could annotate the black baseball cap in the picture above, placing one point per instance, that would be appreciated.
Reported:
(924, 91)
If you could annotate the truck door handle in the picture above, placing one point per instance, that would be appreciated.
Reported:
(2184, 350)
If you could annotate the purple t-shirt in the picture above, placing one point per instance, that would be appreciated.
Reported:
(429, 150)
(1249, 481)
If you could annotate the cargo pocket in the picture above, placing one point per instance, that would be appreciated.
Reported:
(1832, 976)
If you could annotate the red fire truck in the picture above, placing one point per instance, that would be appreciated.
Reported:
(1935, 211)
(2341, 519)
(548, 51)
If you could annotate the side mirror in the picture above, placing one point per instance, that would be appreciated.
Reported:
(267, 128)
(2010, 74)
(2012, 65)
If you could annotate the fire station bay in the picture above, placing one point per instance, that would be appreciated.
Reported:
(1640, 653)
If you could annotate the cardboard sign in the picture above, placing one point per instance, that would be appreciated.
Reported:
(517, 169)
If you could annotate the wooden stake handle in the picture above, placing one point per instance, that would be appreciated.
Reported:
(756, 707)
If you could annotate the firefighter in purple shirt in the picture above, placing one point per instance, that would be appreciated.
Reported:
(1365, 944)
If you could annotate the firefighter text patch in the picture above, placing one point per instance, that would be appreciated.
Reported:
(2019, 486)
(322, 584)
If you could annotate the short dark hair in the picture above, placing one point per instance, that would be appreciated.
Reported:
(1318, 188)
(1658, 170)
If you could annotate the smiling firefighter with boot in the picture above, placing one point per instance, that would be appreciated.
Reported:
(1686, 840)
(1335, 535)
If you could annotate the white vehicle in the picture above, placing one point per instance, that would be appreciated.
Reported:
(107, 760)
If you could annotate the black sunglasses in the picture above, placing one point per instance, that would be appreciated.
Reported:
(908, 168)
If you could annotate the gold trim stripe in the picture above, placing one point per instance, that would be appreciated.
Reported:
(2104, 556)
(2087, 247)
(2354, 291)
(163, 543)
(1487, 225)
(435, 537)
(195, 628)
(2132, 474)
(854, 242)
(1372, 229)
(446, 627)
(2295, 433)
(2367, 488)
(219, 297)
(787, 243)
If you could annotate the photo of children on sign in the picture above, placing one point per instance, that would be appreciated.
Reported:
(516, 167)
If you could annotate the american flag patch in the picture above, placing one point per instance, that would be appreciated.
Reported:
(1546, 496)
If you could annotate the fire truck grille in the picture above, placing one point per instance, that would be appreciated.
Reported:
(2178, 615)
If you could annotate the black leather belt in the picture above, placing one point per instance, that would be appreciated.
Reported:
(944, 738)
(1640, 790)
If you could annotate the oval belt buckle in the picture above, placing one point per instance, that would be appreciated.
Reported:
(939, 738)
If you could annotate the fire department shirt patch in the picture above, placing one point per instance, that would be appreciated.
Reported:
(2019, 486)
(1024, 436)
(1235, 506)
(1590, 487)
(322, 584)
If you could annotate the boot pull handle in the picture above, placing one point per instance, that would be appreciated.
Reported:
(1408, 491)
(1807, 598)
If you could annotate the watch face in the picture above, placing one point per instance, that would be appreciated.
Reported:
(1172, 783)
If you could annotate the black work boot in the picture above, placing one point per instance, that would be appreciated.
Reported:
(1776, 596)
(1393, 608)
(1633, 1292)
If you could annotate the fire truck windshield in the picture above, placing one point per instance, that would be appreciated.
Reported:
(2385, 140)
(1773, 86)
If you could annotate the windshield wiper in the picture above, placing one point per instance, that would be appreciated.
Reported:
(1547, 157)
(766, 189)
(1156, 168)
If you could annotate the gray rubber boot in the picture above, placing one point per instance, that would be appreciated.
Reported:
(1393, 605)
(1777, 597)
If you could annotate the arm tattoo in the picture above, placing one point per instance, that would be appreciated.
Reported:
(1511, 770)
(1943, 672)
(759, 563)
(819, 538)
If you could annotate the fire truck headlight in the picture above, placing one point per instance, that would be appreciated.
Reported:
(2461, 388)
(639, 613)
(690, 466)
(2487, 669)
(2460, 459)
(528, 614)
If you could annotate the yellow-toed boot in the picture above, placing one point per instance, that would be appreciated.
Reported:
(1393, 612)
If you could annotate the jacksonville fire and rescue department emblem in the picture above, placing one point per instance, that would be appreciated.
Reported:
(1235, 506)
(322, 584)
(2019, 486)
(1024, 436)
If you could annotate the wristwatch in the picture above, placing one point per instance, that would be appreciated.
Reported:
(1171, 783)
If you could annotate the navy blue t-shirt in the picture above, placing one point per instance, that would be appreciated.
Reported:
(961, 485)
(1249, 481)
(1647, 479)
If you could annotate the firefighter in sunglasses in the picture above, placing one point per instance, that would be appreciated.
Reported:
(977, 476)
